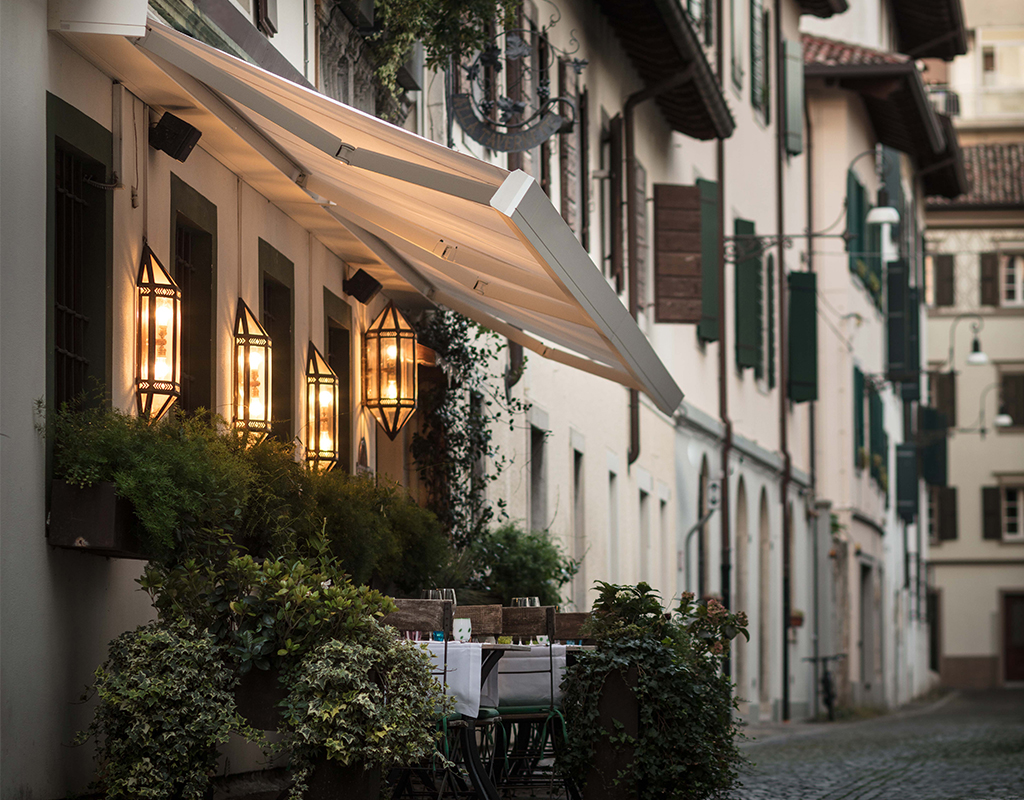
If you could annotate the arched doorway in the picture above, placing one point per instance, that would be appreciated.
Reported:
(764, 627)
(741, 601)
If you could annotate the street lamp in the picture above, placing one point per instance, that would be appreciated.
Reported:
(158, 338)
(978, 357)
(1002, 419)
(390, 370)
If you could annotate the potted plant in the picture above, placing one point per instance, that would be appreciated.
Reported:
(165, 704)
(649, 712)
(356, 708)
(796, 618)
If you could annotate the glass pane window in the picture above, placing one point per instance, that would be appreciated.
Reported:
(1012, 280)
(1013, 499)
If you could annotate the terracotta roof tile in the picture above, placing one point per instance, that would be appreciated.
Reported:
(829, 52)
(995, 173)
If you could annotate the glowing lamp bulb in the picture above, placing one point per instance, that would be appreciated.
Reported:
(164, 314)
(256, 408)
(326, 398)
(391, 352)
(255, 359)
(392, 391)
(161, 369)
(326, 443)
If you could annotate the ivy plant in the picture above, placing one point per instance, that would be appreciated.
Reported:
(512, 562)
(457, 417)
(165, 704)
(685, 746)
(447, 29)
(369, 700)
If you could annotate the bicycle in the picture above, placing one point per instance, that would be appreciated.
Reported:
(828, 688)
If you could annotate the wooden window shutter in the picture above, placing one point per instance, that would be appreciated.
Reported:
(897, 320)
(710, 260)
(910, 384)
(640, 209)
(855, 212)
(876, 433)
(991, 513)
(803, 337)
(616, 239)
(906, 482)
(583, 120)
(266, 16)
(793, 80)
(932, 445)
(677, 254)
(568, 152)
(858, 419)
(944, 280)
(946, 512)
(748, 296)
(989, 279)
(943, 394)
(1011, 396)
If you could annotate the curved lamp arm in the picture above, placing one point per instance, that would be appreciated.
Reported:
(976, 327)
(979, 426)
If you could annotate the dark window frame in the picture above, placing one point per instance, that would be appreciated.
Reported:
(275, 266)
(338, 315)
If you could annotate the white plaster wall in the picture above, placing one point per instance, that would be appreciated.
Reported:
(970, 602)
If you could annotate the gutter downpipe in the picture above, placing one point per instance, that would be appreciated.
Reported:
(723, 366)
(816, 644)
(787, 461)
(632, 245)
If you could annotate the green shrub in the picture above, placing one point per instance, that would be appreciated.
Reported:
(165, 703)
(512, 562)
(685, 747)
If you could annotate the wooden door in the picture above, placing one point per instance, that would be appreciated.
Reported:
(1013, 637)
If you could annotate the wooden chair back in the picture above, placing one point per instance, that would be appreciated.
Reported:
(421, 615)
(528, 621)
(485, 620)
(568, 624)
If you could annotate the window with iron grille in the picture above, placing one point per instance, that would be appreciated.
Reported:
(79, 251)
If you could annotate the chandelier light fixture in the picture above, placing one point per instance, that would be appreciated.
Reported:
(252, 373)
(322, 410)
(390, 370)
(158, 343)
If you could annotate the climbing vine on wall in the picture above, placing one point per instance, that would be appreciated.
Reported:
(454, 448)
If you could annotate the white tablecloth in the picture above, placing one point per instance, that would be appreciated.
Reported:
(524, 679)
(462, 679)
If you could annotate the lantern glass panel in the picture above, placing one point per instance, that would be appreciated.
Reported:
(322, 404)
(252, 373)
(158, 363)
(390, 365)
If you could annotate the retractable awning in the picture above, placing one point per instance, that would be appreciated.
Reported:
(466, 234)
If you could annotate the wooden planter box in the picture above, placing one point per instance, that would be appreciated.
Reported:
(93, 520)
(617, 703)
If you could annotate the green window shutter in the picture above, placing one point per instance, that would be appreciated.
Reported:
(859, 453)
(991, 513)
(756, 55)
(892, 177)
(931, 432)
(710, 244)
(677, 254)
(748, 297)
(855, 213)
(794, 86)
(897, 320)
(906, 482)
(872, 238)
(770, 313)
(803, 337)
(910, 385)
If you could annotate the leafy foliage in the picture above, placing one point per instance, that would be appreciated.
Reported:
(263, 610)
(457, 416)
(517, 563)
(368, 700)
(165, 705)
(685, 746)
(447, 28)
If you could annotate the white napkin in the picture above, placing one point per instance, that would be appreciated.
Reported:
(463, 675)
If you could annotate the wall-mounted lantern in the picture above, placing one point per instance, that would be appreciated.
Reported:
(322, 412)
(390, 365)
(252, 373)
(158, 331)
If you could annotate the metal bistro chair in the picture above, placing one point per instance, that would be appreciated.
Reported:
(441, 777)
(529, 738)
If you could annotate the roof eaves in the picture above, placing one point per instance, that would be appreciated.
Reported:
(906, 71)
(947, 44)
(823, 8)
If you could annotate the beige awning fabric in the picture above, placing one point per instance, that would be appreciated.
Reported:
(463, 233)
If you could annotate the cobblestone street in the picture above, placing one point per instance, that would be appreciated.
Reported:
(967, 747)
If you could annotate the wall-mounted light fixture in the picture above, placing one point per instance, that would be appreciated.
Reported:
(977, 357)
(252, 373)
(158, 332)
(322, 412)
(390, 370)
